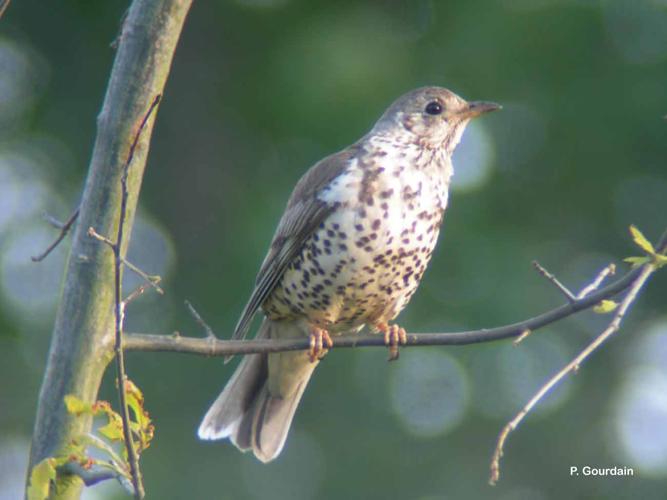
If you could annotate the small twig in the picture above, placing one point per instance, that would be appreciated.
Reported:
(562, 288)
(132, 456)
(140, 290)
(92, 440)
(607, 271)
(92, 475)
(209, 331)
(610, 269)
(572, 366)
(97, 472)
(64, 227)
(3, 7)
(55, 223)
(152, 279)
(522, 337)
(99, 237)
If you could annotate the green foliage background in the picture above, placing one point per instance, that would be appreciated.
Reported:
(259, 91)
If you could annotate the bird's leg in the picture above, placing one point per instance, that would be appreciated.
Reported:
(393, 335)
(319, 338)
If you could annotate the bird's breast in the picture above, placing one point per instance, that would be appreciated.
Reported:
(367, 258)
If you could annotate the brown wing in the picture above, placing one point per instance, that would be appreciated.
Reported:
(304, 213)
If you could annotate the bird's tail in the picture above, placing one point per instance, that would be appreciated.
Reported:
(256, 407)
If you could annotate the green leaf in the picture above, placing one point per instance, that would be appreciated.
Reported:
(605, 306)
(641, 241)
(114, 428)
(636, 261)
(142, 425)
(40, 479)
(660, 260)
(112, 432)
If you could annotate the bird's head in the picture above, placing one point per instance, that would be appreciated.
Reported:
(434, 117)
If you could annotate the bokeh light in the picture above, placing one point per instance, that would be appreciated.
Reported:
(13, 465)
(507, 376)
(23, 75)
(429, 393)
(640, 405)
(24, 193)
(31, 288)
(640, 415)
(473, 159)
(151, 250)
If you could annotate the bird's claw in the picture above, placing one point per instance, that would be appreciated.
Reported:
(393, 336)
(320, 343)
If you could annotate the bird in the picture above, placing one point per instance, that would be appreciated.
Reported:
(349, 252)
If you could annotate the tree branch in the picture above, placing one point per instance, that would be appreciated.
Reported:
(213, 347)
(653, 263)
(152, 280)
(3, 6)
(64, 229)
(588, 297)
(92, 475)
(82, 340)
(119, 310)
(572, 366)
(550, 277)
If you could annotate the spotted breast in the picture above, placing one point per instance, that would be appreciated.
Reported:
(364, 261)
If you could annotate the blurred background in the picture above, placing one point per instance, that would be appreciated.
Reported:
(259, 91)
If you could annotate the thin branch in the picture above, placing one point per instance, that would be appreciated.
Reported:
(211, 347)
(595, 284)
(209, 331)
(572, 366)
(92, 475)
(55, 223)
(64, 229)
(3, 7)
(524, 335)
(91, 439)
(607, 271)
(140, 290)
(152, 279)
(587, 298)
(132, 456)
(636, 284)
(562, 288)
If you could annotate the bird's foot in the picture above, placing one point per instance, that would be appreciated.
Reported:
(320, 343)
(393, 336)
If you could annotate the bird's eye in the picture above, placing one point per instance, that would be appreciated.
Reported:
(434, 108)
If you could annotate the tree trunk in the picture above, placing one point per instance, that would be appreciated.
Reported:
(83, 335)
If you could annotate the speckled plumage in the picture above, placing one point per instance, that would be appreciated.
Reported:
(365, 260)
(350, 250)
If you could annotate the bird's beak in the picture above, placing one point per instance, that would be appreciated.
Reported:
(476, 108)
